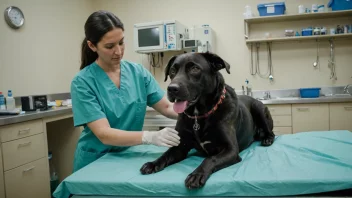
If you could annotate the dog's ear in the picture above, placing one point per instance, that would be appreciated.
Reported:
(167, 69)
(216, 62)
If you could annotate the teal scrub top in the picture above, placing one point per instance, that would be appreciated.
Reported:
(95, 96)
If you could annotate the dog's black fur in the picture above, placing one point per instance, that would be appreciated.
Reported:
(237, 122)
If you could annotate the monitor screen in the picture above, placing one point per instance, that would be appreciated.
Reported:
(148, 37)
(190, 43)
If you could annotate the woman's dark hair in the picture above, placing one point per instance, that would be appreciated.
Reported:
(96, 26)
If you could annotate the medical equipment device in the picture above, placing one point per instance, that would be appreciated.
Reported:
(159, 36)
(190, 43)
(205, 36)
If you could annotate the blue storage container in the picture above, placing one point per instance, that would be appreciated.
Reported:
(309, 92)
(269, 9)
(307, 32)
(340, 5)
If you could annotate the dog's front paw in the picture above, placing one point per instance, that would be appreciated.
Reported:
(267, 141)
(151, 167)
(196, 180)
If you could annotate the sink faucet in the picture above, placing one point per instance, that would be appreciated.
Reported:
(267, 95)
(345, 90)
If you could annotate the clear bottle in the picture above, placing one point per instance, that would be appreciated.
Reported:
(10, 101)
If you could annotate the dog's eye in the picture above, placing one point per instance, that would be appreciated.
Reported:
(195, 69)
(172, 71)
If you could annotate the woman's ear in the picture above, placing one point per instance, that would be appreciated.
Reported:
(92, 46)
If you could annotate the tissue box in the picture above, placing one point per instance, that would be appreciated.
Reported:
(269, 9)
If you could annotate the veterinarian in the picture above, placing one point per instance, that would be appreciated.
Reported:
(110, 95)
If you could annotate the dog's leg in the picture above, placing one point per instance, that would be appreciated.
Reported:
(171, 156)
(264, 122)
(225, 158)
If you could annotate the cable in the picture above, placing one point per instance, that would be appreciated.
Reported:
(251, 67)
(257, 64)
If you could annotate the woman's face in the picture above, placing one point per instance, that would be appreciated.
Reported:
(111, 47)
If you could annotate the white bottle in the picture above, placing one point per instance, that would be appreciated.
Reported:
(10, 101)
(249, 88)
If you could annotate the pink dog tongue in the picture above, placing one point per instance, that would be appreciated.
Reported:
(179, 107)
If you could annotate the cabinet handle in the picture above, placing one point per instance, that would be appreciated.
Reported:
(23, 131)
(28, 169)
(348, 108)
(24, 144)
(302, 109)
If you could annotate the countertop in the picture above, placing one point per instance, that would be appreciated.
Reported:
(32, 115)
(298, 100)
(4, 120)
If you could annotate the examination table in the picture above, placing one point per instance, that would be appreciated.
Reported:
(296, 164)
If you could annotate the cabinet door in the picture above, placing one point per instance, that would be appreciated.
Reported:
(310, 117)
(279, 109)
(341, 116)
(282, 121)
(22, 151)
(282, 130)
(21, 130)
(29, 180)
(2, 184)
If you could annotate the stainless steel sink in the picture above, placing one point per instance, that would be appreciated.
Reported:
(279, 98)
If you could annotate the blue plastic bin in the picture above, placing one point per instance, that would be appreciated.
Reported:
(307, 32)
(309, 92)
(340, 5)
(269, 9)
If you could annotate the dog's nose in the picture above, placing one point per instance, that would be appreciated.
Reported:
(173, 88)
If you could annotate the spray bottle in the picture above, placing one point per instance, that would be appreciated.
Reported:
(249, 88)
(2, 102)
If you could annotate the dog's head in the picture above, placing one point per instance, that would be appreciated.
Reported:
(192, 75)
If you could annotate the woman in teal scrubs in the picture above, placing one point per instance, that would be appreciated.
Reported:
(110, 95)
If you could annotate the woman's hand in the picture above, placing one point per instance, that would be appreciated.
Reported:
(167, 137)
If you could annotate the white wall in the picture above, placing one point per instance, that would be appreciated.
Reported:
(292, 62)
(42, 56)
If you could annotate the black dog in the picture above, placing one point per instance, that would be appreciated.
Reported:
(212, 118)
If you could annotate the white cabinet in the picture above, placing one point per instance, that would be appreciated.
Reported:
(25, 163)
(29, 180)
(282, 118)
(2, 183)
(310, 117)
(341, 116)
(282, 130)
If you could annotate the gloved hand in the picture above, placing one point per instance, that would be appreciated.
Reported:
(167, 137)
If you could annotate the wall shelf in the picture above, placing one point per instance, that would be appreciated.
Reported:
(294, 17)
(299, 38)
(251, 39)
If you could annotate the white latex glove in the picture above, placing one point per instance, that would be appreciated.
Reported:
(167, 137)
